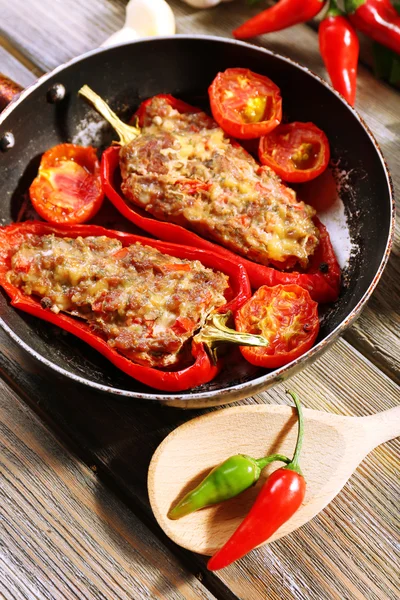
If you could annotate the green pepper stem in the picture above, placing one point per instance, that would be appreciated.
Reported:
(263, 462)
(333, 10)
(126, 133)
(215, 331)
(350, 6)
(294, 463)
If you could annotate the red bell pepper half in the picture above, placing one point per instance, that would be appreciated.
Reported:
(322, 279)
(201, 371)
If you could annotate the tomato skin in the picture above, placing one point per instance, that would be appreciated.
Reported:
(68, 186)
(230, 112)
(290, 143)
(286, 316)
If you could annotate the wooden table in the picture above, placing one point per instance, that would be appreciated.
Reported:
(75, 518)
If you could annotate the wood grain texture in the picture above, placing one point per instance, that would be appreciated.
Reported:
(351, 550)
(15, 64)
(63, 534)
(348, 551)
(178, 465)
(49, 33)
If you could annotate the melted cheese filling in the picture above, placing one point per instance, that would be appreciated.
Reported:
(184, 169)
(144, 303)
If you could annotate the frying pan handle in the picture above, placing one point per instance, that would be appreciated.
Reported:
(8, 90)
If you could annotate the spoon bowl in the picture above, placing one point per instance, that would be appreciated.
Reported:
(332, 449)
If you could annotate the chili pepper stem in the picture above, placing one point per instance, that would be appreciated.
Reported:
(294, 463)
(215, 331)
(126, 133)
(352, 5)
(263, 462)
(333, 10)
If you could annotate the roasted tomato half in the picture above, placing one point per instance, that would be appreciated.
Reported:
(296, 151)
(286, 316)
(68, 186)
(246, 105)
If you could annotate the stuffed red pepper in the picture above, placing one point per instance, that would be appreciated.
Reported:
(138, 301)
(185, 172)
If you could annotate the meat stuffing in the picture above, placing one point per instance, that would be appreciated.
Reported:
(146, 304)
(184, 169)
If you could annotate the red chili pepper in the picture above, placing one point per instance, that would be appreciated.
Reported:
(376, 18)
(339, 47)
(322, 278)
(201, 371)
(280, 16)
(279, 498)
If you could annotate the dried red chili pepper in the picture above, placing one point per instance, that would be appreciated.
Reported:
(376, 18)
(280, 16)
(339, 47)
(279, 498)
(201, 371)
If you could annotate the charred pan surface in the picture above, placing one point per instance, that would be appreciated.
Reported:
(183, 169)
(146, 304)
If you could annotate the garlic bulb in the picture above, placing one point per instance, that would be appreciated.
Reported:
(204, 3)
(144, 18)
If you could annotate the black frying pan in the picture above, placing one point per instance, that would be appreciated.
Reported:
(184, 66)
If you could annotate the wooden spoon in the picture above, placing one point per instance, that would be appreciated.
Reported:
(333, 447)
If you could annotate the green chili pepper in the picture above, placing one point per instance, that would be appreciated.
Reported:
(233, 476)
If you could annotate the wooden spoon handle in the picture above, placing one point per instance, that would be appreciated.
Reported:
(383, 426)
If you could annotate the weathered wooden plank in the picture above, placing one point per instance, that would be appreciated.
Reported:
(13, 68)
(63, 534)
(349, 551)
(52, 33)
(14, 62)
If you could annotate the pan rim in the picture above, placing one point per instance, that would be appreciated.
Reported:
(242, 390)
